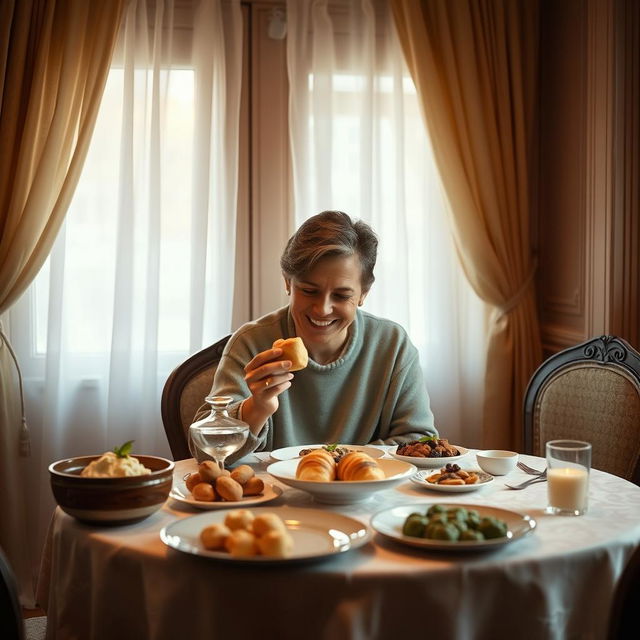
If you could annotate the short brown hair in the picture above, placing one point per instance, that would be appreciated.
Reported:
(330, 233)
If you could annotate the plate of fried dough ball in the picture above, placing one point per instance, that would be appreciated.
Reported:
(209, 487)
(266, 534)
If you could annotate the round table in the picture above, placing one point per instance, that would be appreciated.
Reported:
(555, 583)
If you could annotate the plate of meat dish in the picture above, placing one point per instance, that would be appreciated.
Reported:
(429, 452)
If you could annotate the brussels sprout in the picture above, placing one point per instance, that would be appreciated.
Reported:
(444, 532)
(431, 528)
(436, 508)
(492, 528)
(470, 534)
(459, 514)
(473, 519)
(440, 518)
(414, 526)
(461, 525)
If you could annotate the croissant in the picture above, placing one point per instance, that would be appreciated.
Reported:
(357, 465)
(317, 466)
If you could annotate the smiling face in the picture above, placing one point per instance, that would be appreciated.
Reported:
(323, 304)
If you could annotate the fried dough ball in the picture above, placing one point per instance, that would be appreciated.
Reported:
(203, 491)
(192, 480)
(266, 522)
(253, 487)
(239, 519)
(242, 474)
(276, 544)
(209, 471)
(228, 489)
(241, 543)
(214, 536)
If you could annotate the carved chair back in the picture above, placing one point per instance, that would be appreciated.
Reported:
(589, 392)
(184, 393)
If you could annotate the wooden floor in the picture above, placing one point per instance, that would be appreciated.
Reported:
(31, 613)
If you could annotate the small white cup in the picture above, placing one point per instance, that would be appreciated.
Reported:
(497, 462)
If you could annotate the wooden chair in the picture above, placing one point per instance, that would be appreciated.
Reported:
(589, 392)
(184, 392)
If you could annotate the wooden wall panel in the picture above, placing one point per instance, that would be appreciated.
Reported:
(588, 230)
(625, 300)
(561, 221)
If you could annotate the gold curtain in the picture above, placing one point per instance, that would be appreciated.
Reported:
(474, 65)
(54, 60)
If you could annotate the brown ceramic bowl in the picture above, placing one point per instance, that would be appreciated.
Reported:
(110, 501)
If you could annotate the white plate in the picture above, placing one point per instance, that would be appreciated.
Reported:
(316, 534)
(180, 493)
(389, 523)
(287, 453)
(420, 479)
(339, 492)
(430, 463)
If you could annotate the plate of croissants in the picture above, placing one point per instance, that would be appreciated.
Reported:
(354, 478)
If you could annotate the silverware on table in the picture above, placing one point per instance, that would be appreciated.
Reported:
(542, 477)
(527, 469)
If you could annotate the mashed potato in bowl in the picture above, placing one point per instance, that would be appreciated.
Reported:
(110, 465)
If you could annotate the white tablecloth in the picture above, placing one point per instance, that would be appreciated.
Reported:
(556, 583)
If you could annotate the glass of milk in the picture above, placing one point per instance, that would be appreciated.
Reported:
(568, 466)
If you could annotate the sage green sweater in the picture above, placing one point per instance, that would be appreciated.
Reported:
(374, 393)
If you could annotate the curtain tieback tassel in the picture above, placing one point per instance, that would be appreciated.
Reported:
(24, 440)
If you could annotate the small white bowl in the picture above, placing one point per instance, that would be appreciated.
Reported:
(497, 462)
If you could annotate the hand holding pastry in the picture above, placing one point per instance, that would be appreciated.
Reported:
(267, 375)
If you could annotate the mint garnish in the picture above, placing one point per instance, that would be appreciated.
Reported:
(124, 450)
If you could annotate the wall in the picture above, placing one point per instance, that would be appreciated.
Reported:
(588, 232)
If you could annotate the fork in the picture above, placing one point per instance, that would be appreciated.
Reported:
(527, 469)
(542, 477)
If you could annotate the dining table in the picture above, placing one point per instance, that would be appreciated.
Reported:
(557, 582)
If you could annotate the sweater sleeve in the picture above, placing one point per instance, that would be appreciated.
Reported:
(406, 412)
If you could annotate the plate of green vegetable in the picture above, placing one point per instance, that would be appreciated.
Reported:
(453, 527)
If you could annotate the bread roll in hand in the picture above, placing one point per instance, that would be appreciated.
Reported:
(293, 349)
(359, 466)
(317, 466)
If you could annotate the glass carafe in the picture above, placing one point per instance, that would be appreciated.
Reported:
(217, 435)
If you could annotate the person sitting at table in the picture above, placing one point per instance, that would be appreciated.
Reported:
(363, 382)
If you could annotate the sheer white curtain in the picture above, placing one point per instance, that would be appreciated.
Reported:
(359, 145)
(142, 274)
